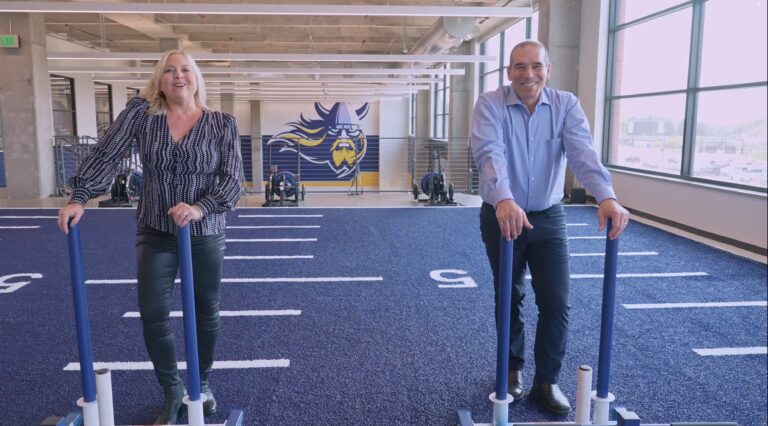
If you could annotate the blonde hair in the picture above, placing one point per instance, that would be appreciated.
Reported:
(151, 92)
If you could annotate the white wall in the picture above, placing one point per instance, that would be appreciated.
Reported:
(85, 105)
(119, 98)
(739, 215)
(393, 143)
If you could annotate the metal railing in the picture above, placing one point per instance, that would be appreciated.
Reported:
(69, 152)
(452, 155)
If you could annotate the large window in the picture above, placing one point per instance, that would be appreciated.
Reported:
(493, 74)
(687, 90)
(442, 102)
(103, 93)
(63, 106)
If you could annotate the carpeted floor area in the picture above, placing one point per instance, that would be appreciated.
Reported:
(351, 328)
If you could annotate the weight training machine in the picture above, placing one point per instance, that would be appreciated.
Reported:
(283, 187)
(434, 183)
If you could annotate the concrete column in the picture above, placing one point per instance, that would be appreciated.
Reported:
(560, 32)
(461, 107)
(256, 153)
(593, 64)
(423, 115)
(462, 102)
(228, 103)
(167, 44)
(25, 96)
(85, 106)
(423, 132)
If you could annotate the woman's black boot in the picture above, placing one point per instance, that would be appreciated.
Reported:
(174, 408)
(209, 406)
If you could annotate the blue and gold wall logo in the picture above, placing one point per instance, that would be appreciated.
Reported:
(328, 149)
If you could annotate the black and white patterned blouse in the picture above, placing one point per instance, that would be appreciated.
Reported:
(203, 169)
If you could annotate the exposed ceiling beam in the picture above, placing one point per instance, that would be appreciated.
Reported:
(265, 71)
(133, 79)
(263, 9)
(275, 57)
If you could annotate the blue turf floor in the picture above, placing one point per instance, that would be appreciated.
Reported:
(394, 351)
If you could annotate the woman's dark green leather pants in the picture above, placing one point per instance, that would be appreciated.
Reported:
(158, 260)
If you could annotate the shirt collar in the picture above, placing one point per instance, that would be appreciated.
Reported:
(512, 99)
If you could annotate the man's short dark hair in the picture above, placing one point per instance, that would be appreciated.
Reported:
(530, 43)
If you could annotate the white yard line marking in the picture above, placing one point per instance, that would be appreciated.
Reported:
(19, 227)
(268, 240)
(625, 253)
(29, 217)
(261, 313)
(260, 280)
(754, 350)
(598, 237)
(694, 305)
(301, 280)
(275, 227)
(279, 215)
(217, 365)
(308, 256)
(650, 275)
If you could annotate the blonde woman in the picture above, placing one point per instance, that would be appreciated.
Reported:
(191, 175)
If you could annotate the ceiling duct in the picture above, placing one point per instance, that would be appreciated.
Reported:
(446, 33)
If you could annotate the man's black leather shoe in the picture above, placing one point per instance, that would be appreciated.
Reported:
(516, 384)
(550, 397)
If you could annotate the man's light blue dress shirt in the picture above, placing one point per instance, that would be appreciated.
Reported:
(522, 155)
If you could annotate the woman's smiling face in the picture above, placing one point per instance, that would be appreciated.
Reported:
(178, 80)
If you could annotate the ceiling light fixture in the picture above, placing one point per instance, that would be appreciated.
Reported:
(272, 57)
(263, 9)
(265, 71)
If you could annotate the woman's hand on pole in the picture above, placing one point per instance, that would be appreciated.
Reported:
(72, 211)
(183, 213)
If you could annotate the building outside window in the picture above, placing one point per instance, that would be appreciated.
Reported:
(491, 72)
(687, 90)
(494, 74)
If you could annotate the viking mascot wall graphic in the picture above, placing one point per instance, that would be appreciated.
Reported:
(334, 144)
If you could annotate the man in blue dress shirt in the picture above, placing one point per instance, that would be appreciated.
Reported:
(522, 135)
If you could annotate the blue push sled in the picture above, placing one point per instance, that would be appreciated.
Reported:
(601, 398)
(96, 402)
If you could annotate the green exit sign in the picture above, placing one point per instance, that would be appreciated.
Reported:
(8, 40)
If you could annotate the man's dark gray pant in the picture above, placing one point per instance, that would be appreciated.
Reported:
(158, 260)
(544, 250)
